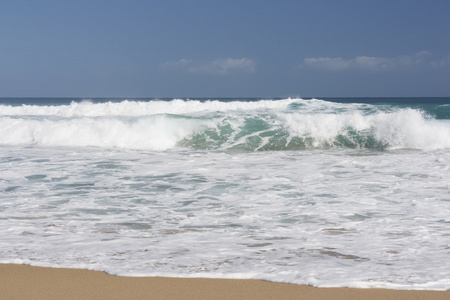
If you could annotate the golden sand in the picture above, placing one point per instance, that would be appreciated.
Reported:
(26, 282)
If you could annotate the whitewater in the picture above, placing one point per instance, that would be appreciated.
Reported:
(337, 192)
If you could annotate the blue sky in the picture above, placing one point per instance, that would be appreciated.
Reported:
(279, 48)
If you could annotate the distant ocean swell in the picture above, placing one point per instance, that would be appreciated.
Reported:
(274, 125)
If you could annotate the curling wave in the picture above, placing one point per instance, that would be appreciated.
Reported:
(274, 125)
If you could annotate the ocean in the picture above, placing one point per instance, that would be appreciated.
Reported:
(331, 192)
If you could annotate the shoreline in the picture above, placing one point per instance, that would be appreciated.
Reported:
(30, 282)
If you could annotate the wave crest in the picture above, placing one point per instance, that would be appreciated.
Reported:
(271, 125)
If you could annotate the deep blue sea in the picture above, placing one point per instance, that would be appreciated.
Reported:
(350, 192)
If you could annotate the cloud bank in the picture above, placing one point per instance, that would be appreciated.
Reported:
(221, 66)
(419, 60)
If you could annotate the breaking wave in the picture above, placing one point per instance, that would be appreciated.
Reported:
(271, 125)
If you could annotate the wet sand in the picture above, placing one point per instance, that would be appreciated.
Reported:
(26, 282)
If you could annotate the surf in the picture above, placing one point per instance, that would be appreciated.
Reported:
(262, 125)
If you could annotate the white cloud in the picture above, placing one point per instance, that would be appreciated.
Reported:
(176, 64)
(225, 65)
(441, 63)
(374, 63)
(221, 66)
(327, 63)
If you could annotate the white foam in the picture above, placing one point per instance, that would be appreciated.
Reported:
(325, 218)
(140, 108)
(405, 128)
(158, 132)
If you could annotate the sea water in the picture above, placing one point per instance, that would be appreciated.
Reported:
(332, 192)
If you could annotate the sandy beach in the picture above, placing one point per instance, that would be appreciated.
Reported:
(26, 282)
